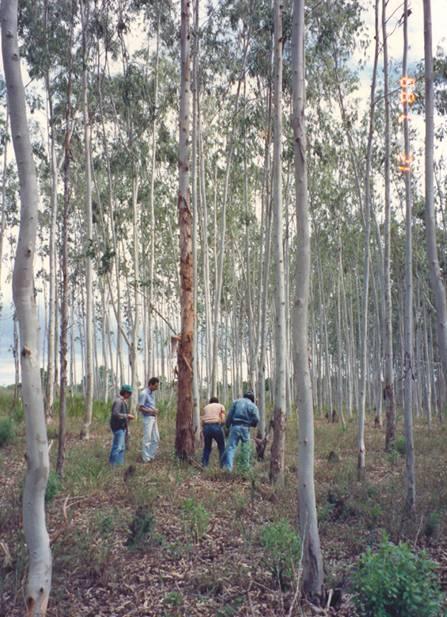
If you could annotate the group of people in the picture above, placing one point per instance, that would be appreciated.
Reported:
(243, 415)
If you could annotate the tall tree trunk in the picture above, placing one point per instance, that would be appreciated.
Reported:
(437, 284)
(89, 329)
(361, 461)
(39, 575)
(195, 201)
(279, 411)
(184, 439)
(312, 582)
(388, 368)
(3, 204)
(410, 476)
(64, 271)
(151, 266)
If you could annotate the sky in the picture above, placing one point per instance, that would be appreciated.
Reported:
(415, 55)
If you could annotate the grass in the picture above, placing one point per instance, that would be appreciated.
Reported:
(194, 536)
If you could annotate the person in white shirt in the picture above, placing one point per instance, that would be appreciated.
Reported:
(149, 412)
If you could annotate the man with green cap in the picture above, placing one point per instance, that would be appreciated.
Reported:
(118, 423)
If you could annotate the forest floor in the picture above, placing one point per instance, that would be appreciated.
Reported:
(169, 539)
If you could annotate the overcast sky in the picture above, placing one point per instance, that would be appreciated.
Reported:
(415, 55)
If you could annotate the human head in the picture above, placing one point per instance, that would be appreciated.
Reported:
(214, 399)
(250, 396)
(153, 383)
(126, 391)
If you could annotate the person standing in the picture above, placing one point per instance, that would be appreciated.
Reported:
(213, 417)
(119, 419)
(147, 408)
(243, 415)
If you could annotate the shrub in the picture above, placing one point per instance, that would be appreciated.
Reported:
(394, 581)
(7, 431)
(196, 518)
(54, 486)
(400, 445)
(141, 527)
(282, 550)
(432, 525)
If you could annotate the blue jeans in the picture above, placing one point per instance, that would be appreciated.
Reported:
(212, 431)
(118, 446)
(237, 434)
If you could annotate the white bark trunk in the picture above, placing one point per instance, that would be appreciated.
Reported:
(89, 329)
(39, 575)
(279, 412)
(436, 281)
(312, 559)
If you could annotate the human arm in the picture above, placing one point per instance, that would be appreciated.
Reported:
(230, 416)
(119, 410)
(146, 404)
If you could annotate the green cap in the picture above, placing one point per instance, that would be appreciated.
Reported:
(127, 388)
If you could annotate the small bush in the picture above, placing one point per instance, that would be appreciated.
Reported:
(432, 525)
(400, 445)
(54, 486)
(282, 550)
(141, 527)
(394, 581)
(7, 431)
(196, 518)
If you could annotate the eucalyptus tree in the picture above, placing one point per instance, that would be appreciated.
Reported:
(84, 12)
(408, 367)
(388, 386)
(279, 413)
(40, 567)
(184, 440)
(436, 281)
(312, 559)
(3, 205)
(367, 227)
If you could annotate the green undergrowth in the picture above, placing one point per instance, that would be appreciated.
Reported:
(219, 530)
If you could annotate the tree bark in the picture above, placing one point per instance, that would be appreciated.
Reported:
(89, 329)
(410, 476)
(279, 411)
(184, 440)
(437, 284)
(312, 582)
(388, 369)
(39, 575)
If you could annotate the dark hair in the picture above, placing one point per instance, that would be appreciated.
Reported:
(214, 399)
(250, 396)
(153, 381)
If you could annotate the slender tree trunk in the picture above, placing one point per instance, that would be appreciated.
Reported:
(65, 278)
(388, 386)
(195, 199)
(361, 461)
(37, 540)
(436, 281)
(151, 265)
(312, 581)
(410, 476)
(89, 329)
(3, 205)
(279, 412)
(184, 441)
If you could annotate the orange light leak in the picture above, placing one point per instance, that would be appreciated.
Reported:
(407, 99)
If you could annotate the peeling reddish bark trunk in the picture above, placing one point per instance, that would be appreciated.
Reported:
(184, 437)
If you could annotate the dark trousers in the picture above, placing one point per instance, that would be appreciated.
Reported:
(210, 432)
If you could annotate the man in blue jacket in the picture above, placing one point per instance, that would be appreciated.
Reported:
(242, 416)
